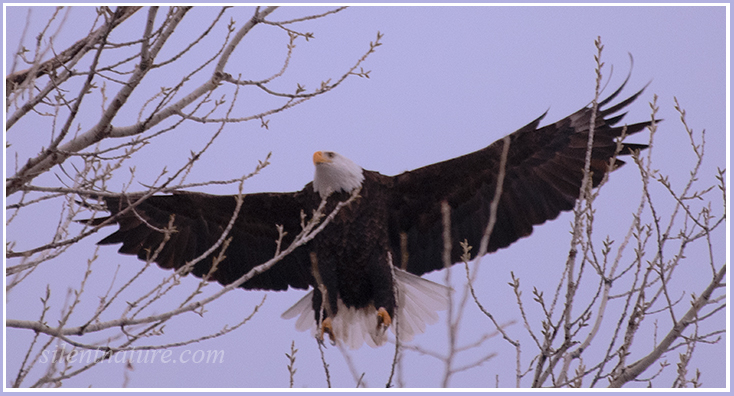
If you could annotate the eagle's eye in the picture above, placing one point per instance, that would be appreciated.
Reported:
(329, 154)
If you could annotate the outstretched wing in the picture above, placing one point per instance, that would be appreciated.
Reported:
(543, 177)
(199, 221)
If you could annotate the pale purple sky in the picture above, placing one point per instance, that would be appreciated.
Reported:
(445, 82)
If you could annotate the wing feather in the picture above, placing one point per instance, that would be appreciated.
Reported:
(199, 221)
(543, 178)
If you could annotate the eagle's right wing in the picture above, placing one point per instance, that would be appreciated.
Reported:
(199, 221)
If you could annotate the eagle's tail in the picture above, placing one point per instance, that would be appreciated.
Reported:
(418, 299)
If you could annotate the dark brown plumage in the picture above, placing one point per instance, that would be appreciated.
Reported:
(543, 177)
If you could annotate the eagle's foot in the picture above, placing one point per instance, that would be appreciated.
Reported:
(326, 328)
(383, 319)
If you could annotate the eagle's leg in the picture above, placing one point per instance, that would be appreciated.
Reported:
(326, 328)
(324, 309)
(383, 319)
(384, 295)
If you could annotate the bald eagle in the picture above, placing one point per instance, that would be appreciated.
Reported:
(368, 260)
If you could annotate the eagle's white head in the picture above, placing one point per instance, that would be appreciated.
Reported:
(335, 173)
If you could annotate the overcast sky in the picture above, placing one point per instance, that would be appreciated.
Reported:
(445, 82)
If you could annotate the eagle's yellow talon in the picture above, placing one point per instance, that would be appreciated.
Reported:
(383, 318)
(326, 328)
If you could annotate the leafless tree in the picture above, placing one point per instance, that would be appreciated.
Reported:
(73, 104)
(641, 285)
(109, 72)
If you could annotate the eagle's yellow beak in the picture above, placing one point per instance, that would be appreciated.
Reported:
(320, 158)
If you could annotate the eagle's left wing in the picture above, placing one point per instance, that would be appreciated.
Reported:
(543, 177)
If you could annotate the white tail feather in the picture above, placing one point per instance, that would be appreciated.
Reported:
(419, 300)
